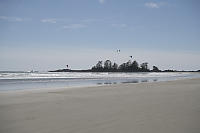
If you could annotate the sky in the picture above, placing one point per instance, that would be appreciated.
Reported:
(50, 34)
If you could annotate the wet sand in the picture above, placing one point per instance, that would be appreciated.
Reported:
(159, 107)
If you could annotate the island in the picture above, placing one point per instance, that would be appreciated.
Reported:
(129, 66)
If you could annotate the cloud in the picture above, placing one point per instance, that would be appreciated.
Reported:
(49, 20)
(119, 25)
(152, 5)
(13, 19)
(91, 20)
(102, 1)
(74, 26)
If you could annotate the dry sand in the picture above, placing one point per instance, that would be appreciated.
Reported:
(162, 107)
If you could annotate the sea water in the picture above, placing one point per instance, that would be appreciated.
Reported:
(42, 80)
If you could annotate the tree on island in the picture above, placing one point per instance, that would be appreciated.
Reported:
(135, 66)
(115, 66)
(124, 67)
(99, 65)
(144, 67)
(155, 69)
(107, 65)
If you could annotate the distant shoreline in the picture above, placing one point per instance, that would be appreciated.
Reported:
(90, 70)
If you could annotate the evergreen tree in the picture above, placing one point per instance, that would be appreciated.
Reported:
(99, 65)
(155, 69)
(107, 65)
(122, 67)
(128, 65)
(144, 67)
(115, 66)
(135, 66)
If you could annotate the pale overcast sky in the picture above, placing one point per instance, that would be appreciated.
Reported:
(48, 34)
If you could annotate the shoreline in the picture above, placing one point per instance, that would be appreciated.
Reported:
(166, 106)
(22, 81)
(36, 90)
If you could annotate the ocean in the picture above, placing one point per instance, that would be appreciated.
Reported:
(45, 80)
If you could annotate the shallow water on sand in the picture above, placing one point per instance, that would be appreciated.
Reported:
(37, 80)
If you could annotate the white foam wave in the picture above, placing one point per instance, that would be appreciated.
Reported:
(86, 75)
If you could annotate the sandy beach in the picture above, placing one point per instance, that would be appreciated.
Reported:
(159, 107)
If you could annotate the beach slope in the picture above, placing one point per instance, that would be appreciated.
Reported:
(159, 107)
